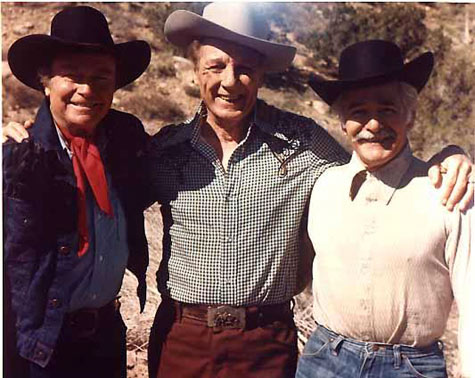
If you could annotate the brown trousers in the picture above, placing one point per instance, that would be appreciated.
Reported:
(182, 347)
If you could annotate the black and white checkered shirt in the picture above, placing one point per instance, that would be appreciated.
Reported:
(232, 237)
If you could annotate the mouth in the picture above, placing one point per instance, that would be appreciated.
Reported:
(376, 140)
(386, 143)
(85, 105)
(230, 99)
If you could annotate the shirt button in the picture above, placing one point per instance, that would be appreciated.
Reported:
(64, 250)
(25, 221)
(55, 303)
(94, 296)
(101, 258)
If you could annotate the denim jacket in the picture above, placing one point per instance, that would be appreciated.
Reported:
(40, 223)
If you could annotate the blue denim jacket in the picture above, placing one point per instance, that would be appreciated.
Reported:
(40, 223)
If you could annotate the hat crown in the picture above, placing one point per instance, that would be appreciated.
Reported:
(82, 24)
(369, 59)
(244, 19)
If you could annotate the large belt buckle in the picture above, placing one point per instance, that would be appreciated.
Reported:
(226, 317)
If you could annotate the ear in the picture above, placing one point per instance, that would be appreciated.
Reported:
(412, 120)
(343, 126)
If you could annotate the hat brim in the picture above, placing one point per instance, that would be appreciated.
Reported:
(30, 53)
(415, 73)
(182, 27)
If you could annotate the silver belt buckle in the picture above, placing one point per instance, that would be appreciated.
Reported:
(226, 317)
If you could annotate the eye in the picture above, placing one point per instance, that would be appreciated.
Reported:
(101, 78)
(243, 70)
(357, 112)
(217, 67)
(388, 111)
(71, 76)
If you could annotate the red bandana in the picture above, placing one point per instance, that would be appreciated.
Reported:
(87, 164)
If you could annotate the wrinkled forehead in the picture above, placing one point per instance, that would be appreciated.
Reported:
(89, 60)
(213, 48)
(384, 94)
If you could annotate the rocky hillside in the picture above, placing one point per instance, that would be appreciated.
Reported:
(166, 93)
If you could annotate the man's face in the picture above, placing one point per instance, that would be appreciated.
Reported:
(80, 90)
(229, 77)
(375, 121)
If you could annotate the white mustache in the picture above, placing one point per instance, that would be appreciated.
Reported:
(365, 134)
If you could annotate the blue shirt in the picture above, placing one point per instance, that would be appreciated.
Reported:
(97, 278)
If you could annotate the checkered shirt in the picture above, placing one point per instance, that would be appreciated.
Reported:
(231, 237)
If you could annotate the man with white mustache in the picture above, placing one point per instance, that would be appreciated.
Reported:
(389, 258)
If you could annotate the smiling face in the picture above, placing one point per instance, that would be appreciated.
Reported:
(229, 77)
(376, 120)
(80, 89)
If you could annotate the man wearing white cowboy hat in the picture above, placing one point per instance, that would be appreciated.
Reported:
(72, 222)
(238, 176)
(391, 258)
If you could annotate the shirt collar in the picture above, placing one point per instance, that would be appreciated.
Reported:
(62, 140)
(388, 177)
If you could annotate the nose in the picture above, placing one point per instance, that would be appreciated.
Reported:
(374, 125)
(84, 88)
(229, 77)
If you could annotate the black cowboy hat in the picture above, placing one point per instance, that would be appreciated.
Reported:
(76, 29)
(373, 62)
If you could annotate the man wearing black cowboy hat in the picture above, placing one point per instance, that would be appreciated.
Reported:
(72, 222)
(389, 258)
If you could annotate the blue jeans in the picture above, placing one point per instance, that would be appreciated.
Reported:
(329, 355)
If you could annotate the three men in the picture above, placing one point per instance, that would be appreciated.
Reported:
(233, 184)
(383, 287)
(72, 222)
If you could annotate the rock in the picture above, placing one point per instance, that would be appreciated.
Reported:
(22, 29)
(320, 107)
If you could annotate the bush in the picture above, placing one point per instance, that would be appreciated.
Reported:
(402, 24)
(153, 107)
(445, 112)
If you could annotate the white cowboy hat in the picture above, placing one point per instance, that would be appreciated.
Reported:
(235, 22)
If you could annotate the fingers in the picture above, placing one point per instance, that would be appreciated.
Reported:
(457, 182)
(468, 199)
(15, 131)
(449, 182)
(435, 175)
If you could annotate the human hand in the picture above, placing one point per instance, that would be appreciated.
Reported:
(16, 131)
(453, 171)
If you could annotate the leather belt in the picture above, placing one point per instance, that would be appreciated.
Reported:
(221, 317)
(85, 322)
